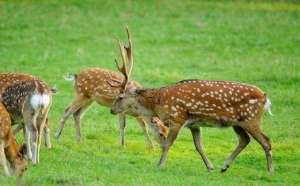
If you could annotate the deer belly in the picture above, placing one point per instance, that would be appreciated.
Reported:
(208, 121)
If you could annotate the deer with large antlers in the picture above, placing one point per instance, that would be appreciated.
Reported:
(8, 79)
(103, 86)
(195, 103)
(9, 148)
(28, 102)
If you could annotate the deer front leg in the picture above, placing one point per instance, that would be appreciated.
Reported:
(122, 123)
(196, 133)
(3, 159)
(172, 135)
(144, 128)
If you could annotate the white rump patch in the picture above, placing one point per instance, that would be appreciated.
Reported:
(38, 100)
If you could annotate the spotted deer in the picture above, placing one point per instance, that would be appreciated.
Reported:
(103, 86)
(9, 148)
(196, 103)
(29, 102)
(8, 79)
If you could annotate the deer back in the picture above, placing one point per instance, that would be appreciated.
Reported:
(101, 85)
(212, 101)
(7, 79)
(33, 93)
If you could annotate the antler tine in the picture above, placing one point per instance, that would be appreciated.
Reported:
(123, 68)
(129, 52)
(117, 64)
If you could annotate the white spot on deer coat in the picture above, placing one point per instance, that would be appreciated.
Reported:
(252, 101)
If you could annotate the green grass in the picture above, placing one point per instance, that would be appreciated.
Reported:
(254, 42)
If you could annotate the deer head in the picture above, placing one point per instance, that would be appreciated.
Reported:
(21, 162)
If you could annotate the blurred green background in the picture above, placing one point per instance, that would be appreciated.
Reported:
(256, 42)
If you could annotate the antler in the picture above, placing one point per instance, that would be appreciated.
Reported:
(126, 71)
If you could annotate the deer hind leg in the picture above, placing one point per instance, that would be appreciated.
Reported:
(27, 141)
(146, 133)
(3, 159)
(264, 141)
(122, 124)
(172, 135)
(77, 116)
(41, 122)
(47, 134)
(31, 129)
(72, 108)
(196, 133)
(244, 140)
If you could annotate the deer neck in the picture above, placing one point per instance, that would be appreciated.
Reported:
(12, 149)
(147, 100)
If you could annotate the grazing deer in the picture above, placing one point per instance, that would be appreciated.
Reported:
(103, 86)
(9, 148)
(195, 103)
(29, 102)
(8, 79)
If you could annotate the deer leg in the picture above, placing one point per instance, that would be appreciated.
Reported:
(144, 128)
(47, 134)
(264, 141)
(196, 133)
(72, 108)
(31, 123)
(39, 139)
(122, 123)
(172, 135)
(41, 121)
(27, 141)
(77, 116)
(35, 135)
(243, 142)
(3, 159)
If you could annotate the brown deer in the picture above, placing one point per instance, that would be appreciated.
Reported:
(9, 148)
(103, 86)
(195, 103)
(8, 79)
(29, 102)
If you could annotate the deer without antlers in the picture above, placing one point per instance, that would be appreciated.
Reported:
(9, 148)
(103, 86)
(8, 79)
(195, 103)
(29, 102)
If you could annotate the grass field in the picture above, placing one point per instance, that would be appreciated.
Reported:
(253, 42)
